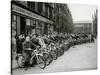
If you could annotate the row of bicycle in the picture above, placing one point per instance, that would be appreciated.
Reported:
(44, 56)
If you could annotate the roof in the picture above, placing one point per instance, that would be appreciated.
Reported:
(82, 22)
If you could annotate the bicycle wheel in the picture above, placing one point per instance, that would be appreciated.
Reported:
(20, 61)
(49, 60)
(54, 55)
(45, 56)
(58, 54)
(41, 62)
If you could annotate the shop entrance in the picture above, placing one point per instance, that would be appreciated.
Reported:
(23, 24)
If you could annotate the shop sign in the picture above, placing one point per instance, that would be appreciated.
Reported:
(23, 11)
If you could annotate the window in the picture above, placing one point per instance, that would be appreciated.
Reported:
(28, 27)
(31, 5)
(40, 7)
(46, 9)
(33, 24)
(28, 22)
(39, 27)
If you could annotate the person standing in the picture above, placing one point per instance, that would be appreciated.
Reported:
(20, 40)
(27, 50)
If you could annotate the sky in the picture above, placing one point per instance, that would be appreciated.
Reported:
(82, 12)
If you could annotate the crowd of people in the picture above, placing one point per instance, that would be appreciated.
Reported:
(26, 45)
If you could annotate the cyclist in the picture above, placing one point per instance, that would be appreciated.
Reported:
(27, 50)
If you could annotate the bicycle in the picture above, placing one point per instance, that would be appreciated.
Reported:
(35, 53)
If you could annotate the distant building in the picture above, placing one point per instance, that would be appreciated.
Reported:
(82, 27)
(95, 23)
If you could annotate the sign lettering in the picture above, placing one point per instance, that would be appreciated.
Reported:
(23, 11)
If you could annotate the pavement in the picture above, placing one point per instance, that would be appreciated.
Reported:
(79, 57)
(14, 64)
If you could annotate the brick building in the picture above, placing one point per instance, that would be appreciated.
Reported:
(83, 27)
(94, 22)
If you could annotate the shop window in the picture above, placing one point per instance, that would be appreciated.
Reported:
(39, 27)
(28, 26)
(28, 22)
(33, 24)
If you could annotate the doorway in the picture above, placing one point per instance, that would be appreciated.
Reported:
(23, 24)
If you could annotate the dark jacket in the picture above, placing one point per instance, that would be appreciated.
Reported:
(35, 42)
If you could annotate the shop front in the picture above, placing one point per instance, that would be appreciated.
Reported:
(27, 22)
